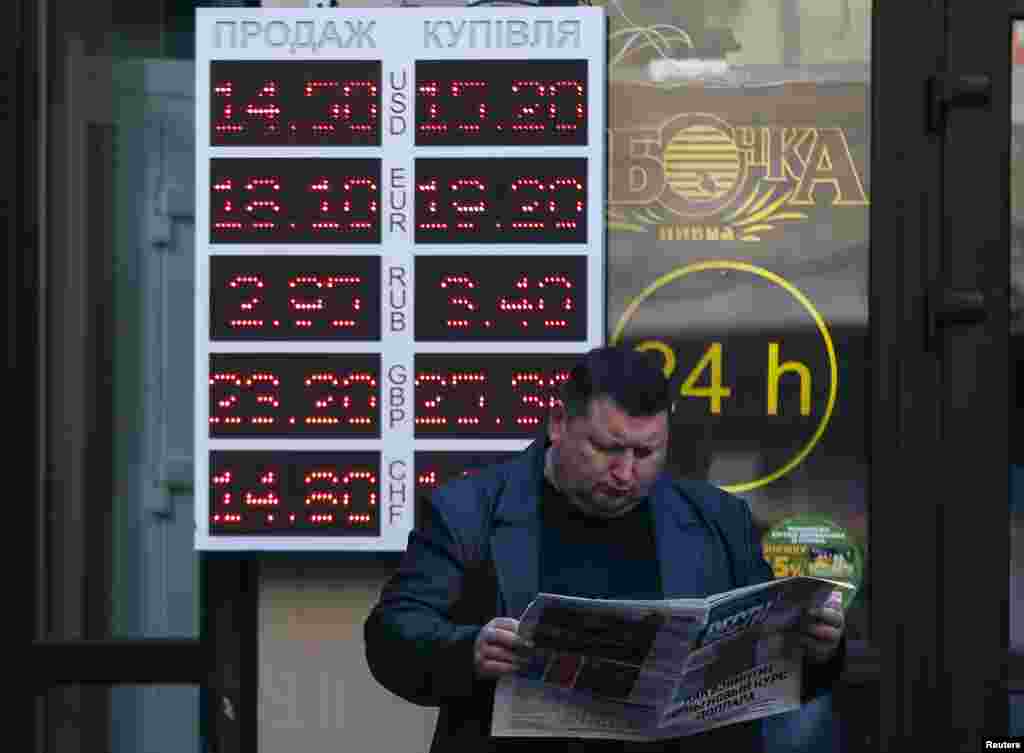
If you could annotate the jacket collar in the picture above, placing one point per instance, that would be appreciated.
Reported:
(515, 539)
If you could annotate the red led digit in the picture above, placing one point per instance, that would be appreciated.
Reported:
(536, 310)
(529, 114)
(469, 203)
(546, 106)
(537, 393)
(347, 204)
(324, 299)
(251, 299)
(463, 311)
(225, 399)
(226, 125)
(306, 300)
(321, 487)
(349, 400)
(431, 189)
(265, 109)
(455, 398)
(326, 405)
(428, 479)
(237, 400)
(569, 95)
(529, 198)
(266, 397)
(471, 107)
(220, 484)
(259, 208)
(359, 492)
(356, 113)
(333, 496)
(227, 213)
(565, 203)
(428, 91)
(267, 494)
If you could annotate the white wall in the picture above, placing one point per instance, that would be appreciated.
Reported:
(316, 692)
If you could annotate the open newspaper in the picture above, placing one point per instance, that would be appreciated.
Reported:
(650, 670)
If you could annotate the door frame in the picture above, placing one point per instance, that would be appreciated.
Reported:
(920, 682)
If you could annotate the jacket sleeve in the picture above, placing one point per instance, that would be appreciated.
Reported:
(414, 647)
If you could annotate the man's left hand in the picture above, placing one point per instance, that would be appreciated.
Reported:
(822, 629)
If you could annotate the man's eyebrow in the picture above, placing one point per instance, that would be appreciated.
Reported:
(649, 444)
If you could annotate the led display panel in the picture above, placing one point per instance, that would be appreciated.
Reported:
(399, 257)
(501, 103)
(313, 103)
(511, 298)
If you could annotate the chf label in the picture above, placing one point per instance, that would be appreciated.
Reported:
(397, 476)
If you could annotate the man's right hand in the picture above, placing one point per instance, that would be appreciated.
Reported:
(499, 650)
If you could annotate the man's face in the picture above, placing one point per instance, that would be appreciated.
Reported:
(606, 461)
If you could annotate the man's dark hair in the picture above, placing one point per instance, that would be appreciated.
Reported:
(632, 379)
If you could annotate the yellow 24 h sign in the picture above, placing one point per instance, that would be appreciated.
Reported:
(715, 181)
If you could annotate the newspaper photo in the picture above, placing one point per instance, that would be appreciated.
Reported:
(651, 670)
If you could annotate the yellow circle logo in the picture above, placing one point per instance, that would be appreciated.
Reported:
(702, 163)
(716, 392)
(704, 169)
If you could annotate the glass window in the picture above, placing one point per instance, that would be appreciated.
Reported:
(120, 156)
(738, 204)
(119, 560)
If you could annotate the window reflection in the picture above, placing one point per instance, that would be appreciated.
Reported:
(739, 192)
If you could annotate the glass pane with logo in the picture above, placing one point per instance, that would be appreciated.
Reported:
(737, 217)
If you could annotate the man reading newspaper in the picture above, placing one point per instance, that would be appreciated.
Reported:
(587, 512)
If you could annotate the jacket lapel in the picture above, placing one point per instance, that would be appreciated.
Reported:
(516, 558)
(515, 540)
(682, 543)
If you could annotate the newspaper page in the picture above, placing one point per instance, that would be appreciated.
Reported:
(649, 670)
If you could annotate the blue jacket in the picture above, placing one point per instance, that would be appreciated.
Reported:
(474, 556)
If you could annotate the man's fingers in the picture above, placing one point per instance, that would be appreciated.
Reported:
(820, 632)
(503, 636)
(500, 650)
(496, 668)
(499, 654)
(505, 623)
(832, 617)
